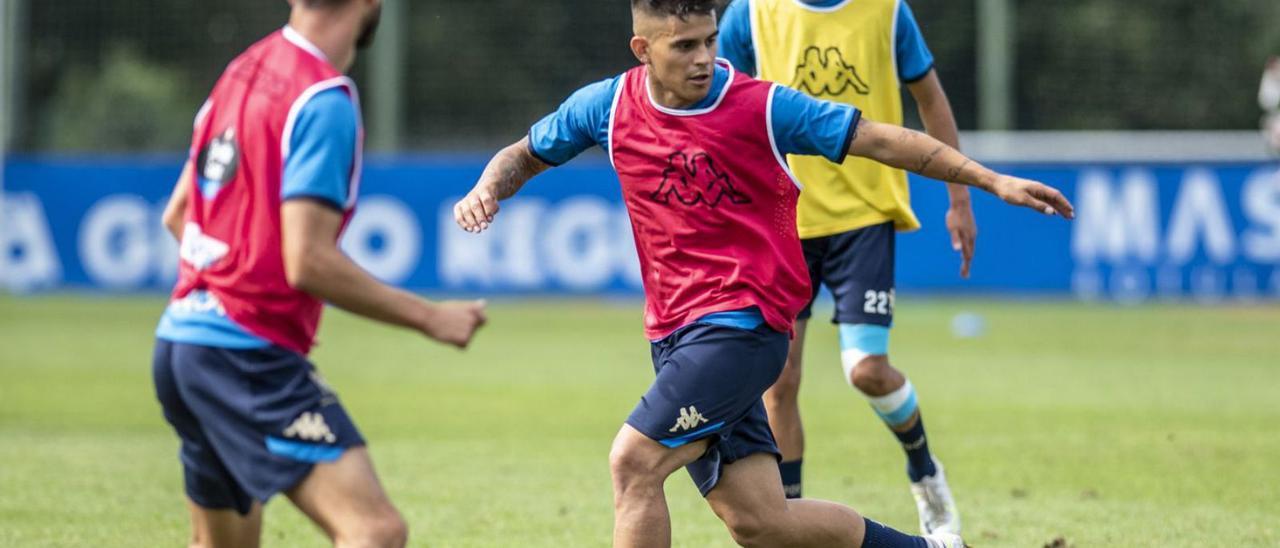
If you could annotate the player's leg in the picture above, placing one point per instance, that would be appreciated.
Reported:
(709, 377)
(750, 501)
(279, 428)
(783, 405)
(640, 467)
(894, 399)
(861, 273)
(783, 399)
(218, 528)
(222, 514)
(346, 500)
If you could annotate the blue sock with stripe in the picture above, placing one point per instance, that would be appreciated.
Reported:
(897, 409)
(881, 536)
(914, 442)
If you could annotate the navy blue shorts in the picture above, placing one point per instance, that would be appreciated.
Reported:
(253, 423)
(857, 266)
(710, 380)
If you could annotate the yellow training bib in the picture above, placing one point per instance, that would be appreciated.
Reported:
(844, 53)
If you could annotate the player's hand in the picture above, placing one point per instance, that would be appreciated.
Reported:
(455, 322)
(475, 212)
(1030, 194)
(964, 233)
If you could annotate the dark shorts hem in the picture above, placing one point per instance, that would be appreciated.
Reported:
(709, 383)
(296, 476)
(225, 404)
(857, 266)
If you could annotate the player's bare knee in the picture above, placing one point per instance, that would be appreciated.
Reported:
(396, 532)
(874, 376)
(750, 529)
(386, 529)
(631, 466)
(392, 531)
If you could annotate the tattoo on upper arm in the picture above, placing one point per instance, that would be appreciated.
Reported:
(928, 158)
(954, 173)
(857, 132)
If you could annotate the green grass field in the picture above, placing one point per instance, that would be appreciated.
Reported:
(1103, 426)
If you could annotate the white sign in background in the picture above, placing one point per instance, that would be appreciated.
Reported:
(1119, 225)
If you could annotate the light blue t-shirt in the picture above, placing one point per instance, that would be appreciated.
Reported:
(913, 55)
(801, 124)
(322, 150)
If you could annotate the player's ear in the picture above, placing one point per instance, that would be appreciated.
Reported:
(640, 47)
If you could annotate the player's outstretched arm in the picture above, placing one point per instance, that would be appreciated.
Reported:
(176, 210)
(313, 263)
(919, 153)
(506, 173)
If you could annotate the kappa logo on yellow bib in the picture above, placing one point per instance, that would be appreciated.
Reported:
(825, 72)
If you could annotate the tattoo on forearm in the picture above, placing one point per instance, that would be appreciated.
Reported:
(954, 173)
(510, 170)
(928, 158)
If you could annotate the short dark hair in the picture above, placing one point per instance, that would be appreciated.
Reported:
(322, 4)
(678, 8)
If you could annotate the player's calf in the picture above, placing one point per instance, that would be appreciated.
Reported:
(865, 353)
(754, 530)
(782, 403)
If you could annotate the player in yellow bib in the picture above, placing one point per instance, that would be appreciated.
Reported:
(859, 52)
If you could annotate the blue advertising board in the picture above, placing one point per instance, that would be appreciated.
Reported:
(1163, 230)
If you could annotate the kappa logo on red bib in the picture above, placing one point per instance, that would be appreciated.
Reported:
(696, 180)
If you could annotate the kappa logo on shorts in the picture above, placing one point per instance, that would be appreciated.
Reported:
(695, 180)
(827, 73)
(689, 418)
(310, 427)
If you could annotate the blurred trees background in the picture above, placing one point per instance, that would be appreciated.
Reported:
(128, 76)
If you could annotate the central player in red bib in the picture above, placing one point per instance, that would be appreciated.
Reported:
(700, 152)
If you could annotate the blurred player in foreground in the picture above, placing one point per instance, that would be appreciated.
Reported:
(699, 150)
(270, 185)
(857, 53)
(1269, 100)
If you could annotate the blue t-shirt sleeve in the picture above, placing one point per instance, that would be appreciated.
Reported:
(812, 127)
(322, 149)
(914, 58)
(735, 37)
(581, 122)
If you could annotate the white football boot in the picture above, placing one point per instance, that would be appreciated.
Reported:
(938, 513)
(944, 540)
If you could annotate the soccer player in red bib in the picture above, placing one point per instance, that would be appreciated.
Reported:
(271, 183)
(700, 152)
